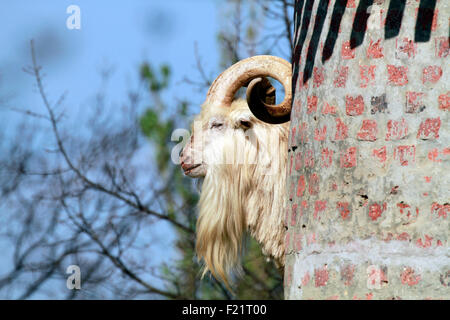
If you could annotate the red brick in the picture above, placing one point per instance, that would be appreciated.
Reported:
(396, 130)
(431, 74)
(341, 130)
(341, 78)
(414, 102)
(351, 4)
(298, 241)
(405, 48)
(354, 106)
(327, 157)
(343, 209)
(291, 191)
(409, 277)
(304, 205)
(314, 184)
(347, 273)
(290, 166)
(368, 130)
(375, 210)
(311, 104)
(288, 278)
(287, 241)
(294, 215)
(405, 210)
(376, 276)
(348, 158)
(321, 276)
(305, 279)
(320, 133)
(375, 50)
(428, 241)
(380, 154)
(397, 76)
(301, 186)
(319, 206)
(318, 77)
(328, 109)
(433, 154)
(441, 211)
(293, 131)
(303, 132)
(404, 236)
(405, 154)
(347, 53)
(309, 158)
(446, 151)
(442, 47)
(297, 106)
(429, 129)
(367, 74)
(298, 161)
(444, 101)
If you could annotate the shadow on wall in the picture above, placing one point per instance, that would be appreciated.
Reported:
(304, 9)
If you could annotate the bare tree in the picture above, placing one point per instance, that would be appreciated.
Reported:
(257, 27)
(80, 202)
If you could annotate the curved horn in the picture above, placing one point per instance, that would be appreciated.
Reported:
(223, 89)
(261, 100)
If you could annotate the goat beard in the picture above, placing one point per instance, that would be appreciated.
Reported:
(229, 191)
(222, 222)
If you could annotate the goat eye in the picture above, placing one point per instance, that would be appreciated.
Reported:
(216, 125)
(245, 124)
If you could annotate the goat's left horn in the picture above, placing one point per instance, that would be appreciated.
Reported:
(250, 72)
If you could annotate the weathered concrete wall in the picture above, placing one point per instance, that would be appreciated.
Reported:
(369, 191)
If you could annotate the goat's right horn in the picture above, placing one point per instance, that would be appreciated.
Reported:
(251, 72)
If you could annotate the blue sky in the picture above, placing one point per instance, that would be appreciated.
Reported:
(112, 34)
(118, 34)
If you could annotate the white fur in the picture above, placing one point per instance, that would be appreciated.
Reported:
(244, 187)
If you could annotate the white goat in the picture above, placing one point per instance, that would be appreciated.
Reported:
(243, 162)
